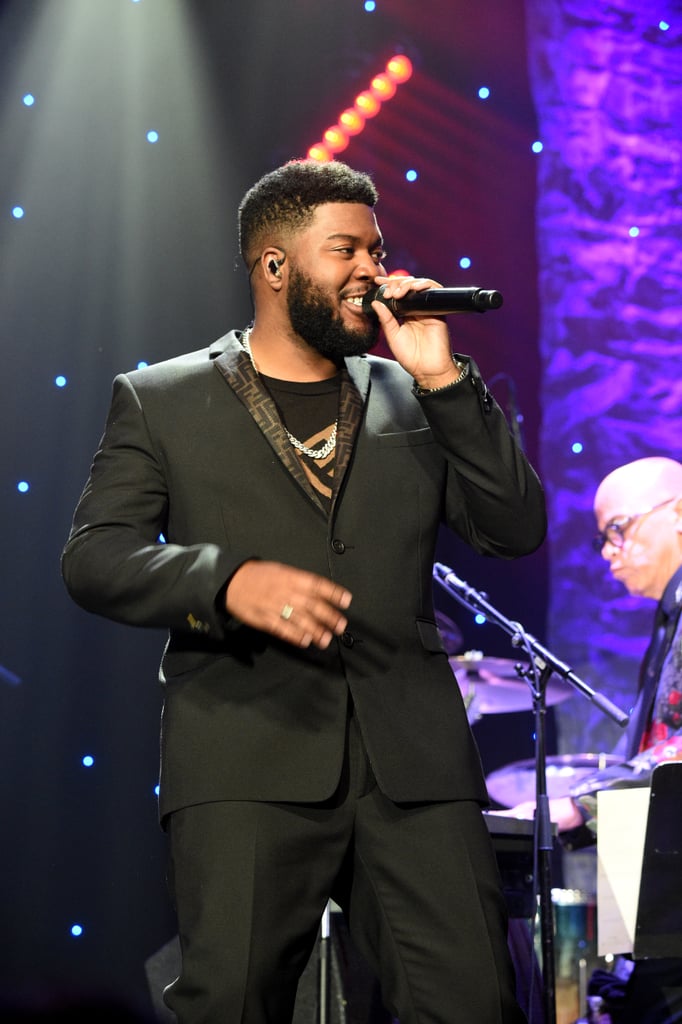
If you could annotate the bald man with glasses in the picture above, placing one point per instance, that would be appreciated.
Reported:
(638, 509)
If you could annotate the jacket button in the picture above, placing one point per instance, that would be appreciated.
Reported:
(338, 546)
(347, 639)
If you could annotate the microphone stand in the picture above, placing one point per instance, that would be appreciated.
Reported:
(324, 969)
(542, 665)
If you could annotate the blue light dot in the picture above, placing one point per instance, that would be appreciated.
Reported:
(537, 146)
(161, 539)
(142, 364)
(60, 381)
(88, 761)
(576, 447)
(465, 263)
(664, 26)
(156, 789)
(370, 6)
(633, 232)
(17, 212)
(152, 136)
(29, 99)
(23, 486)
(479, 619)
(76, 930)
(411, 175)
(483, 92)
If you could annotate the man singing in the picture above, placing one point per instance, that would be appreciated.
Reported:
(314, 741)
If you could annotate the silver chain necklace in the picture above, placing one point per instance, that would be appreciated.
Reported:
(312, 453)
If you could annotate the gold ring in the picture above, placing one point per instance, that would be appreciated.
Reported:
(286, 612)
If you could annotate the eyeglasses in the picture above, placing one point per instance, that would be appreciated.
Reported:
(614, 532)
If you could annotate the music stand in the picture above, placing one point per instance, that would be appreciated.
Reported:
(658, 928)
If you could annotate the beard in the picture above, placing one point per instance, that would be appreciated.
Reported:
(315, 319)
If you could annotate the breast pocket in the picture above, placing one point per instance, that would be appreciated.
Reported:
(405, 472)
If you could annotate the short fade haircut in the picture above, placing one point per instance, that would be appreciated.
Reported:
(285, 199)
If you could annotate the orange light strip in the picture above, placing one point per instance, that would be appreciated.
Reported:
(351, 121)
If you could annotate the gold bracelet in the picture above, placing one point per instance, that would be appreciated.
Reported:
(463, 368)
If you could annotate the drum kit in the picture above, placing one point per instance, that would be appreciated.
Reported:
(493, 686)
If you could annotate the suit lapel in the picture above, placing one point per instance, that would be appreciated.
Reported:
(235, 366)
(354, 387)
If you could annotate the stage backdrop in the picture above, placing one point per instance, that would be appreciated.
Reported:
(607, 85)
(130, 131)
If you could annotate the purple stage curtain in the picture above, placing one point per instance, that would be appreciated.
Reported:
(607, 85)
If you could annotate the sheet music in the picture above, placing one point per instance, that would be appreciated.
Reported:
(622, 816)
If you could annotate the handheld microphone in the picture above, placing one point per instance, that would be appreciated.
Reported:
(436, 301)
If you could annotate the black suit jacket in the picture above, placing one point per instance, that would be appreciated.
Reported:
(194, 450)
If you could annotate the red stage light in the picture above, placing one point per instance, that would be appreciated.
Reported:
(335, 139)
(367, 104)
(383, 87)
(399, 68)
(319, 152)
(352, 121)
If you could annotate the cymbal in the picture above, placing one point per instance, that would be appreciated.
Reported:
(493, 686)
(515, 783)
(476, 662)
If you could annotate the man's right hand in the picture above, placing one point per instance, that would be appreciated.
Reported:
(291, 604)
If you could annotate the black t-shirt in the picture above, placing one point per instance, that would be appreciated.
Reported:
(309, 411)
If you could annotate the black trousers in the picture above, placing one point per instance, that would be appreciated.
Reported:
(418, 885)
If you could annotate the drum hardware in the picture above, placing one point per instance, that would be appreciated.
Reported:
(543, 665)
(499, 685)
